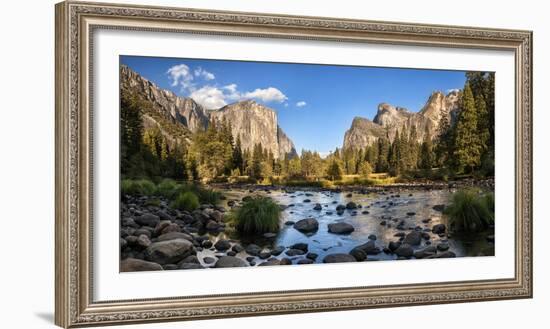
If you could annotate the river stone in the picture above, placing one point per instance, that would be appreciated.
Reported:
(312, 256)
(318, 207)
(300, 246)
(307, 200)
(339, 258)
(413, 238)
(285, 261)
(340, 207)
(147, 220)
(222, 245)
(439, 207)
(170, 267)
(270, 235)
(340, 228)
(231, 253)
(237, 248)
(358, 254)
(206, 244)
(411, 213)
(253, 250)
(277, 250)
(164, 215)
(128, 221)
(294, 252)
(265, 254)
(369, 248)
(161, 226)
(143, 241)
(172, 227)
(351, 205)
(443, 247)
(393, 245)
(212, 225)
(445, 254)
(271, 262)
(176, 235)
(372, 237)
(230, 261)
(209, 260)
(426, 252)
(305, 261)
(171, 251)
(404, 250)
(289, 222)
(134, 265)
(307, 225)
(438, 229)
(190, 266)
(144, 231)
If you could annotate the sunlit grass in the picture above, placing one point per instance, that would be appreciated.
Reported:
(256, 215)
(470, 210)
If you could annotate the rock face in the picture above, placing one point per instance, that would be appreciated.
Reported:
(364, 132)
(176, 109)
(254, 123)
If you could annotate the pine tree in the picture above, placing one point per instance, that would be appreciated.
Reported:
(444, 145)
(383, 153)
(413, 148)
(467, 145)
(238, 161)
(334, 171)
(426, 152)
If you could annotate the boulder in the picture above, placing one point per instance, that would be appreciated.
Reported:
(253, 250)
(305, 261)
(413, 238)
(143, 241)
(340, 228)
(358, 254)
(237, 248)
(439, 207)
(426, 252)
(167, 252)
(312, 256)
(369, 248)
(318, 207)
(445, 254)
(175, 235)
(222, 245)
(190, 266)
(135, 265)
(351, 205)
(339, 258)
(443, 246)
(294, 252)
(285, 261)
(307, 225)
(148, 220)
(404, 250)
(230, 261)
(393, 245)
(438, 229)
(300, 246)
(277, 250)
(209, 260)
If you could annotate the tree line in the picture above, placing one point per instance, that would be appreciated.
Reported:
(464, 144)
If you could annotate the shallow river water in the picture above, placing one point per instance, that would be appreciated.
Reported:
(393, 207)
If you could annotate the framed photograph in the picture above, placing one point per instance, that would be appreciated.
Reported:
(198, 152)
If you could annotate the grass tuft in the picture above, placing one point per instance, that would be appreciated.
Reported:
(186, 201)
(470, 211)
(257, 215)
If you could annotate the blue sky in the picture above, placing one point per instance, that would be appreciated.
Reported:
(315, 103)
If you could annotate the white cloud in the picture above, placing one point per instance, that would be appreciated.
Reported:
(201, 73)
(180, 75)
(452, 90)
(267, 95)
(209, 96)
(301, 104)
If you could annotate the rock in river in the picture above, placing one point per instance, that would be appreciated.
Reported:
(438, 229)
(133, 265)
(230, 261)
(307, 225)
(340, 228)
(253, 249)
(222, 245)
(404, 250)
(413, 238)
(169, 252)
(339, 258)
(300, 246)
(351, 205)
(317, 207)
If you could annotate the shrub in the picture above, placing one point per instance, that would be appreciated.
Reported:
(153, 202)
(167, 188)
(137, 187)
(207, 195)
(257, 215)
(469, 211)
(186, 201)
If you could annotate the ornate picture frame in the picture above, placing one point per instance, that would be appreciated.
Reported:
(75, 25)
